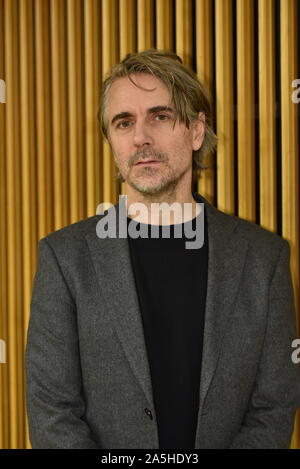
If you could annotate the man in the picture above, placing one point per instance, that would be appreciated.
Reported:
(139, 342)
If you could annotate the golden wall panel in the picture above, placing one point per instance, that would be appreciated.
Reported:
(204, 57)
(225, 105)
(245, 109)
(55, 168)
(164, 24)
(93, 73)
(289, 46)
(267, 115)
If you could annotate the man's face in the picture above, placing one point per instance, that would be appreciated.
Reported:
(150, 154)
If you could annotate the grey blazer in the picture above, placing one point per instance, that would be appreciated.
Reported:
(88, 383)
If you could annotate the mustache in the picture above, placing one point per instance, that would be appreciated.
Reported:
(145, 155)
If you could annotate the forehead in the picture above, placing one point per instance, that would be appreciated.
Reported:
(124, 93)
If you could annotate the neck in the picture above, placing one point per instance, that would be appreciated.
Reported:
(161, 209)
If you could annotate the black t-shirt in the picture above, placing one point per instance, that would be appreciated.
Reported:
(171, 285)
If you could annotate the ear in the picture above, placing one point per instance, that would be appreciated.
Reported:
(198, 131)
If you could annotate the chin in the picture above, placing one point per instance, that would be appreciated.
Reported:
(151, 189)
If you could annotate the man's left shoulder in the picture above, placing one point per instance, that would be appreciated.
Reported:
(263, 248)
(258, 237)
(242, 229)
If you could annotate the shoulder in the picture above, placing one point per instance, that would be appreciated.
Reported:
(71, 237)
(265, 247)
(260, 240)
(258, 235)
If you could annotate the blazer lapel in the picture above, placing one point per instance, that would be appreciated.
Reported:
(112, 263)
(226, 257)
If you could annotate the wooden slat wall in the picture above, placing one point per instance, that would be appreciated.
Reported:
(245, 109)
(75, 110)
(93, 73)
(204, 64)
(145, 24)
(184, 42)
(4, 389)
(44, 145)
(128, 30)
(15, 313)
(55, 169)
(28, 177)
(289, 44)
(267, 110)
(110, 56)
(164, 24)
(58, 69)
(225, 105)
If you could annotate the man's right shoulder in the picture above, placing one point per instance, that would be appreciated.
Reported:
(70, 237)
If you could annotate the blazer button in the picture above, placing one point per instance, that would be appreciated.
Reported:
(149, 413)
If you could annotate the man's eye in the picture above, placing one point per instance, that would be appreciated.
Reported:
(121, 126)
(162, 115)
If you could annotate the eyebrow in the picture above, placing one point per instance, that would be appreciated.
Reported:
(151, 110)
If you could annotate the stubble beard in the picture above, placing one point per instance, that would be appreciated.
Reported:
(167, 182)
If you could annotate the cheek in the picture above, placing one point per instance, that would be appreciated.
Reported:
(188, 140)
(182, 149)
(119, 151)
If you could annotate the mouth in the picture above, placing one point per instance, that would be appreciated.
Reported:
(142, 163)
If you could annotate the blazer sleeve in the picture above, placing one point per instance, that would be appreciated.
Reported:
(269, 420)
(54, 395)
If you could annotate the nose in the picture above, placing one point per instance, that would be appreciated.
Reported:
(142, 134)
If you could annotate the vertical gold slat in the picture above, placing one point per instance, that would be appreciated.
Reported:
(290, 137)
(2, 226)
(246, 111)
(267, 128)
(59, 114)
(225, 115)
(127, 27)
(4, 422)
(43, 120)
(127, 37)
(204, 42)
(92, 101)
(204, 57)
(29, 240)
(145, 25)
(184, 31)
(75, 104)
(14, 226)
(290, 149)
(109, 59)
(44, 179)
(164, 24)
